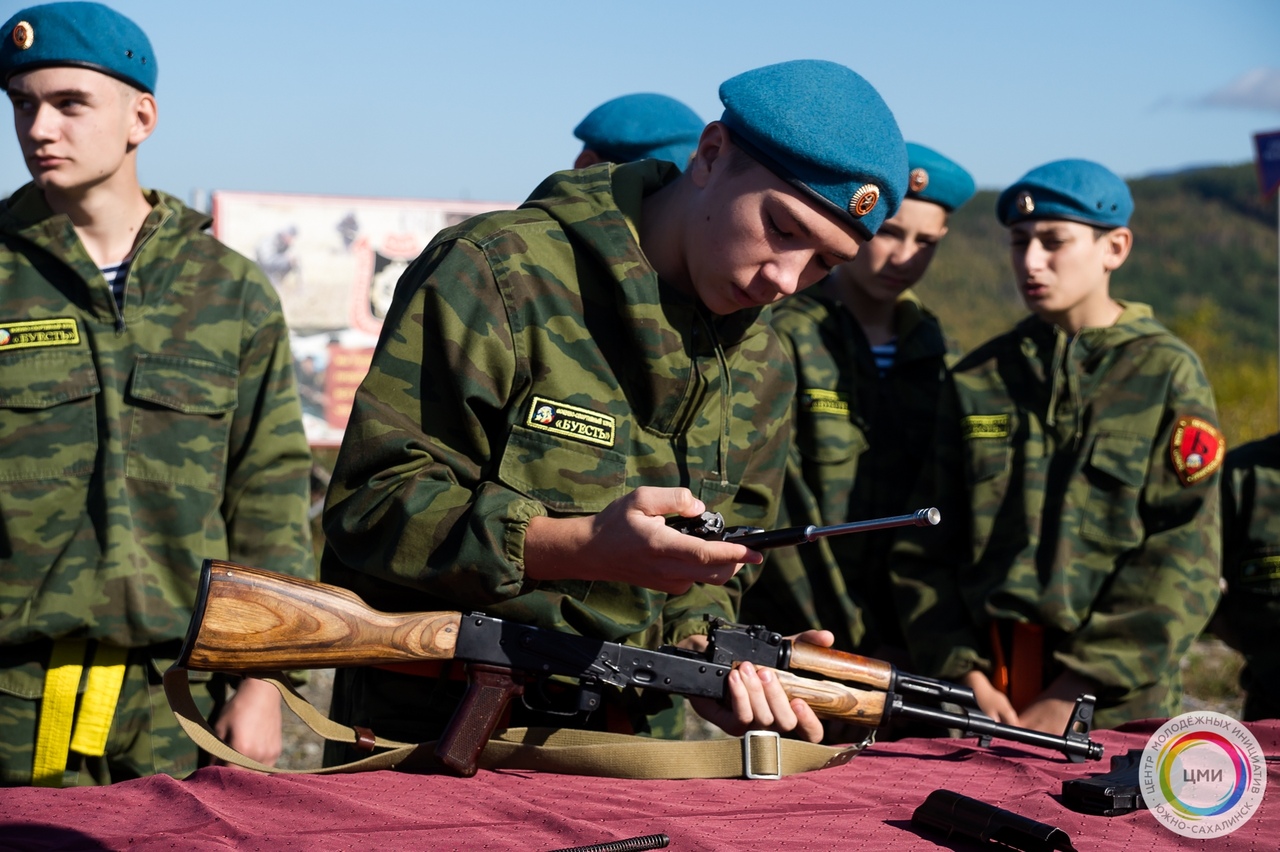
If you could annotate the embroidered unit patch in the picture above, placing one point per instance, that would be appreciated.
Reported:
(824, 401)
(986, 426)
(570, 421)
(30, 334)
(1196, 449)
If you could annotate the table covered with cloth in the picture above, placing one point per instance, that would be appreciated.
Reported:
(863, 805)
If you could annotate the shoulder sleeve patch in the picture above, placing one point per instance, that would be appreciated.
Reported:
(1196, 449)
(985, 426)
(821, 401)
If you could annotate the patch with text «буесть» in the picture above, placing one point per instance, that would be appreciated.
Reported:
(570, 421)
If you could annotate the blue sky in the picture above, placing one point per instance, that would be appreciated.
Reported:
(478, 100)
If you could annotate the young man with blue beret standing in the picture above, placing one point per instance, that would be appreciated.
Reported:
(1248, 617)
(149, 420)
(553, 382)
(643, 126)
(1083, 517)
(870, 363)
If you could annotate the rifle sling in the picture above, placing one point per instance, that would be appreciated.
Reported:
(564, 751)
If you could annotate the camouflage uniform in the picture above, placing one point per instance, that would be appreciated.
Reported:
(1249, 615)
(533, 364)
(860, 444)
(1080, 522)
(137, 443)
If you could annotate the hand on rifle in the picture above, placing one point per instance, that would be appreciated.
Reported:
(630, 542)
(1051, 709)
(991, 701)
(756, 701)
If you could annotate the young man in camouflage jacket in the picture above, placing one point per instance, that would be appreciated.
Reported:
(1082, 502)
(1248, 617)
(554, 381)
(149, 420)
(870, 363)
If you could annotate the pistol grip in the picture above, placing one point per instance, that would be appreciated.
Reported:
(489, 690)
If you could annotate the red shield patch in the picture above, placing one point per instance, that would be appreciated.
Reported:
(1197, 449)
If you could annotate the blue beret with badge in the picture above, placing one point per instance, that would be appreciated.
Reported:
(1075, 190)
(642, 126)
(825, 130)
(86, 35)
(937, 179)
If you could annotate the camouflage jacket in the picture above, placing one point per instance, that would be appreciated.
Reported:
(1079, 520)
(138, 442)
(859, 447)
(533, 363)
(1249, 615)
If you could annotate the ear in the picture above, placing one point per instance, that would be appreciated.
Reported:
(1118, 243)
(587, 158)
(144, 115)
(711, 153)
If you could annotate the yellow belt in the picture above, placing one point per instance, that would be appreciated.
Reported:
(54, 740)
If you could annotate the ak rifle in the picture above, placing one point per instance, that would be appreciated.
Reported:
(247, 620)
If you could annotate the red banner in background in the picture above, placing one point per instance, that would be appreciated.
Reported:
(335, 262)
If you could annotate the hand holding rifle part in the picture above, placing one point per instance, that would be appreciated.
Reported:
(248, 620)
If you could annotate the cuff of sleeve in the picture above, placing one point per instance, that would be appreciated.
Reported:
(961, 661)
(680, 631)
(517, 526)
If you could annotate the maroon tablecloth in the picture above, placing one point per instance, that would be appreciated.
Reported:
(865, 805)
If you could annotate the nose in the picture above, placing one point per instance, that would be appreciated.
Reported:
(1030, 257)
(42, 124)
(789, 273)
(903, 253)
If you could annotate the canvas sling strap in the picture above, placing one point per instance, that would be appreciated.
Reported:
(569, 752)
(58, 716)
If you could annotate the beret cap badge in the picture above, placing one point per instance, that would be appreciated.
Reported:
(23, 35)
(919, 180)
(864, 200)
(1026, 204)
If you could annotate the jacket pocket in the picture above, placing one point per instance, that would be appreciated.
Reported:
(48, 422)
(563, 474)
(1116, 471)
(830, 447)
(181, 420)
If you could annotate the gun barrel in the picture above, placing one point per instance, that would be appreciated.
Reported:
(930, 517)
(765, 539)
(979, 725)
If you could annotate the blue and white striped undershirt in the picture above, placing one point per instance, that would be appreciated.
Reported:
(884, 355)
(115, 276)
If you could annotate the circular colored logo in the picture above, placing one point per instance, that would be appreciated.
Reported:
(1203, 774)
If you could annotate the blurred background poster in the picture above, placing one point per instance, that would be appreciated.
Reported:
(335, 261)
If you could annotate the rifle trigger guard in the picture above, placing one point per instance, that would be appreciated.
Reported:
(747, 740)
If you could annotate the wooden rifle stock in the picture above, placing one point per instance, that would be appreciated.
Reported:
(249, 620)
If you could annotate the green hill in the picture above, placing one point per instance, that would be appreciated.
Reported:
(1204, 257)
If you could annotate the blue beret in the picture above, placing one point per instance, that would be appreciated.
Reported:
(1076, 190)
(937, 179)
(87, 35)
(642, 126)
(825, 130)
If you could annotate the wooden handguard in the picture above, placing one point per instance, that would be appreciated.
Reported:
(835, 700)
(247, 620)
(841, 665)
